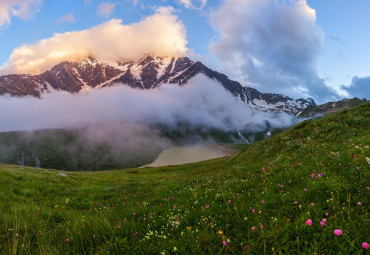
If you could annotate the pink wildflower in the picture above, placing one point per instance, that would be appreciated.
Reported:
(263, 202)
(118, 227)
(309, 222)
(229, 201)
(254, 228)
(312, 204)
(67, 240)
(224, 242)
(261, 226)
(305, 189)
(359, 203)
(338, 232)
(324, 220)
(365, 245)
(322, 223)
(253, 210)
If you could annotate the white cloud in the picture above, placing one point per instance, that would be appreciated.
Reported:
(67, 18)
(194, 4)
(105, 9)
(17, 8)
(272, 45)
(202, 102)
(161, 34)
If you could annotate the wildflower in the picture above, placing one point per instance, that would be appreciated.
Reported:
(40, 234)
(261, 226)
(365, 245)
(174, 249)
(309, 222)
(326, 214)
(67, 240)
(313, 176)
(254, 228)
(312, 204)
(220, 232)
(295, 202)
(134, 214)
(359, 203)
(229, 201)
(338, 232)
(263, 202)
(305, 189)
(322, 223)
(324, 220)
(253, 210)
(118, 227)
(224, 242)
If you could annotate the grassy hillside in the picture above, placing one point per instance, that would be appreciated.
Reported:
(268, 199)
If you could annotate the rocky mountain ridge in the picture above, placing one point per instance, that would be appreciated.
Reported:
(147, 73)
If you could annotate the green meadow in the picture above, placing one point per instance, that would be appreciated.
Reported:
(288, 194)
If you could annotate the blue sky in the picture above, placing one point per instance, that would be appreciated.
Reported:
(344, 52)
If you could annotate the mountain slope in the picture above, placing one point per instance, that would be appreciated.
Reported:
(331, 107)
(147, 73)
(284, 195)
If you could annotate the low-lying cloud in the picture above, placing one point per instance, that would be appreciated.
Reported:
(271, 45)
(202, 102)
(161, 34)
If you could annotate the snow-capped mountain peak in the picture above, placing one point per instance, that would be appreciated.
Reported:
(147, 73)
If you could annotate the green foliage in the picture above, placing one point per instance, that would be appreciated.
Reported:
(74, 151)
(318, 169)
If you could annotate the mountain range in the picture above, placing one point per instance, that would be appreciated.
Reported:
(148, 73)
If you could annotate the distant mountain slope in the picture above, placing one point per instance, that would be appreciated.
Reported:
(331, 107)
(148, 73)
